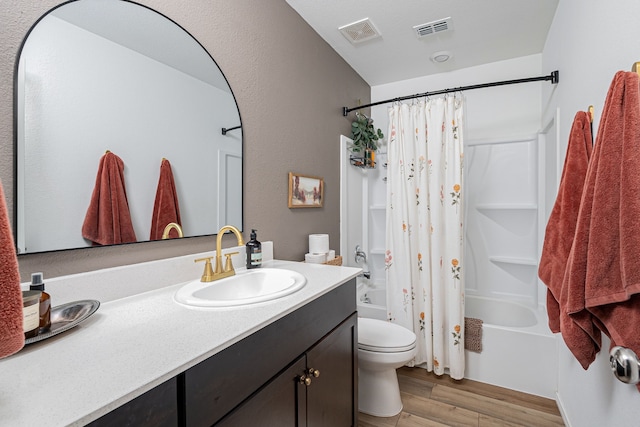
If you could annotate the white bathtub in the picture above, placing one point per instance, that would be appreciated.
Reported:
(518, 350)
(372, 303)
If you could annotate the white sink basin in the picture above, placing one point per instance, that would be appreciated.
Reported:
(250, 287)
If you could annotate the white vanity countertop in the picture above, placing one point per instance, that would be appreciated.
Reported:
(133, 344)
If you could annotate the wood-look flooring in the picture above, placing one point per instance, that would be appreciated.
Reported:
(430, 401)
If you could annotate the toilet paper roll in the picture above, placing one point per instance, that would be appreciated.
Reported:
(331, 255)
(318, 243)
(315, 258)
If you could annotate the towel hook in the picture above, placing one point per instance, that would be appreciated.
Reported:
(225, 130)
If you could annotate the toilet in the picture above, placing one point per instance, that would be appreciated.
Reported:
(383, 347)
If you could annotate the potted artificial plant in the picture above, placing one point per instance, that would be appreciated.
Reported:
(365, 139)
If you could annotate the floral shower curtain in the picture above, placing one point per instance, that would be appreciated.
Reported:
(423, 262)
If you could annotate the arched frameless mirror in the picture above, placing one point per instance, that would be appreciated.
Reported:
(98, 75)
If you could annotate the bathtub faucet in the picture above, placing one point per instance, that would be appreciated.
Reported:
(360, 255)
(365, 274)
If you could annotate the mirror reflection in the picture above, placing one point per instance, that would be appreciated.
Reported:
(97, 76)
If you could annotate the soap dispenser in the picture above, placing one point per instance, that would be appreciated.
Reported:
(254, 251)
(45, 301)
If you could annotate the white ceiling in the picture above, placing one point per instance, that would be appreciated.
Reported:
(483, 31)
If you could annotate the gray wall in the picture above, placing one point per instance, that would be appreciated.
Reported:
(290, 87)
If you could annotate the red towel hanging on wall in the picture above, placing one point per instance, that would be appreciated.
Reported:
(166, 208)
(564, 215)
(603, 270)
(108, 220)
(582, 337)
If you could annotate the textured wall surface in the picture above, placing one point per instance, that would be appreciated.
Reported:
(290, 87)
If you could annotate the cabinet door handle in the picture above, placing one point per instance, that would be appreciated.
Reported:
(313, 372)
(304, 380)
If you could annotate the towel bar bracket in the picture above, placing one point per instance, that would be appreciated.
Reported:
(225, 130)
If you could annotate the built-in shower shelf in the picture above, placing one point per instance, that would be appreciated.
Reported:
(514, 260)
(517, 218)
(523, 269)
(498, 141)
(507, 206)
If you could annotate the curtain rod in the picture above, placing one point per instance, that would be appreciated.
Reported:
(553, 77)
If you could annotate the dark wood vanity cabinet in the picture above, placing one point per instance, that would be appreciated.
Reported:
(268, 379)
(332, 396)
(279, 403)
(316, 390)
(158, 407)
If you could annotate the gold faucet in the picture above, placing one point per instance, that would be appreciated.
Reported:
(167, 230)
(219, 272)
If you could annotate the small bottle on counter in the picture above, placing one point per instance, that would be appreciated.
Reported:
(45, 301)
(254, 252)
(30, 313)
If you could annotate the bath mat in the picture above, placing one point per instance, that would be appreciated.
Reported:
(473, 334)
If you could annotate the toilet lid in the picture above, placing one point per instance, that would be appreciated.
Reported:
(384, 337)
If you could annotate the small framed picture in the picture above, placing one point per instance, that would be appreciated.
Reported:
(305, 191)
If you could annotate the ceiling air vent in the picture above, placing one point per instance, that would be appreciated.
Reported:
(359, 31)
(434, 27)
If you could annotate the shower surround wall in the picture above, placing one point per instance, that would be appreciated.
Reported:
(502, 196)
(501, 264)
(501, 205)
(502, 223)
